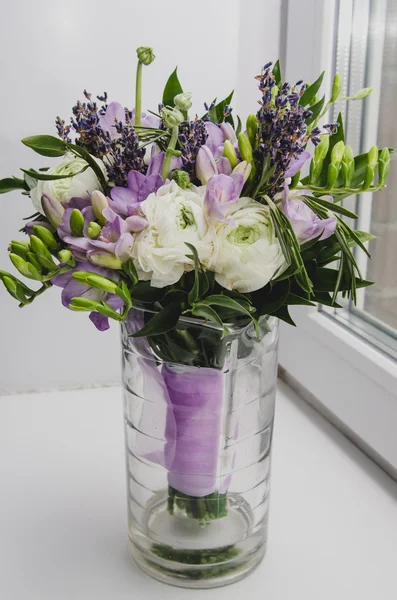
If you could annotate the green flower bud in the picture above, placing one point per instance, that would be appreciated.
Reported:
(171, 116)
(369, 177)
(336, 88)
(245, 148)
(373, 157)
(337, 153)
(105, 259)
(14, 288)
(25, 268)
(348, 166)
(230, 153)
(145, 55)
(42, 253)
(93, 230)
(38, 247)
(83, 304)
(20, 248)
(76, 223)
(321, 149)
(33, 260)
(183, 101)
(252, 130)
(66, 258)
(182, 179)
(332, 176)
(46, 237)
(384, 165)
(96, 281)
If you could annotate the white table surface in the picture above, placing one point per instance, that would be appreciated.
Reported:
(333, 518)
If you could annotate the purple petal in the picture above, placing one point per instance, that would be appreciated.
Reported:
(79, 203)
(296, 164)
(205, 165)
(224, 166)
(215, 136)
(136, 223)
(122, 200)
(114, 114)
(123, 247)
(229, 133)
(100, 321)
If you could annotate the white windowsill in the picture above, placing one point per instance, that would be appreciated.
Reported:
(333, 518)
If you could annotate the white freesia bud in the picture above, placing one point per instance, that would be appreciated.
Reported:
(62, 190)
(249, 253)
(171, 116)
(244, 168)
(183, 101)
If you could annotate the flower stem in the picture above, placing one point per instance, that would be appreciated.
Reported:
(169, 153)
(138, 94)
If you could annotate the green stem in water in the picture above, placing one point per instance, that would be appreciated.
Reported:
(138, 94)
(169, 153)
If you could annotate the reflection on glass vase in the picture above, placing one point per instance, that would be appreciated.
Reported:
(199, 412)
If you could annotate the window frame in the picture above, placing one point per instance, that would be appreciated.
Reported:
(353, 382)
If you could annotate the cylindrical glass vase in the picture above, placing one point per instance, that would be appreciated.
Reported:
(199, 409)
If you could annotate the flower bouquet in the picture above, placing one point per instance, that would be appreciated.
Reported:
(196, 234)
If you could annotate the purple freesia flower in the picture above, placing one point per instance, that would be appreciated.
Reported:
(115, 236)
(207, 166)
(222, 191)
(217, 134)
(115, 113)
(126, 200)
(78, 245)
(73, 289)
(306, 224)
(296, 164)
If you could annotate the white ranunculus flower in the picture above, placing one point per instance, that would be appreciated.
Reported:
(249, 253)
(174, 216)
(63, 190)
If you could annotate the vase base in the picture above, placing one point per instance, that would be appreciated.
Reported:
(180, 551)
(196, 576)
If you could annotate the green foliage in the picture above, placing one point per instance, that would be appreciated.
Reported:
(172, 89)
(9, 184)
(46, 145)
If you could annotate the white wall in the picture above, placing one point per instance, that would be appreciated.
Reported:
(50, 50)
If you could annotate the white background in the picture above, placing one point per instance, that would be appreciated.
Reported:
(50, 50)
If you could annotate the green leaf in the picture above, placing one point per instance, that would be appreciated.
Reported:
(209, 314)
(226, 302)
(336, 208)
(144, 292)
(277, 296)
(326, 279)
(277, 73)
(161, 322)
(195, 291)
(239, 125)
(217, 114)
(49, 176)
(294, 299)
(46, 145)
(359, 95)
(172, 89)
(130, 270)
(9, 184)
(326, 299)
(316, 110)
(283, 314)
(311, 91)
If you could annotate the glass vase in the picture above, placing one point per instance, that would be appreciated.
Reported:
(199, 409)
